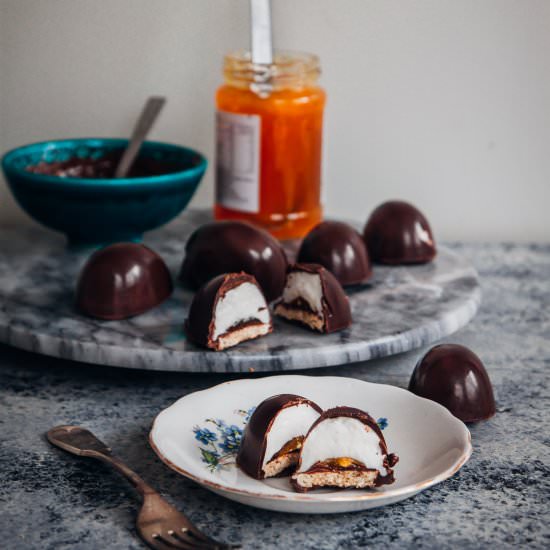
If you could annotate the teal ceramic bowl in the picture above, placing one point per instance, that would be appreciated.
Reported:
(101, 211)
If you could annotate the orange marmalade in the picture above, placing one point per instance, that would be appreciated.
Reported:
(269, 139)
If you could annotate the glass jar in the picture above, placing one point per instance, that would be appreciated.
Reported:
(269, 140)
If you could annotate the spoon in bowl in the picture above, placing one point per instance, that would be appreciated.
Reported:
(146, 119)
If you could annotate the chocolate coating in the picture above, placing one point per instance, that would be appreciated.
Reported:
(336, 307)
(122, 280)
(253, 445)
(199, 323)
(230, 246)
(398, 233)
(390, 459)
(455, 377)
(340, 249)
(105, 167)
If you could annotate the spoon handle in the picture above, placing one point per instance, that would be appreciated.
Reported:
(82, 442)
(145, 121)
(262, 45)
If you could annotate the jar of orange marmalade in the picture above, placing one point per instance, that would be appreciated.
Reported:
(269, 139)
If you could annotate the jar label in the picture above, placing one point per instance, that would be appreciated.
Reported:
(238, 161)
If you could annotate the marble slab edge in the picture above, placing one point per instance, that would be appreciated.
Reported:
(280, 359)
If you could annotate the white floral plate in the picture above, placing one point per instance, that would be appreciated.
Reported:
(198, 436)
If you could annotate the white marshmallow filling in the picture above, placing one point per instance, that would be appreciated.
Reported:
(291, 422)
(239, 305)
(305, 286)
(342, 437)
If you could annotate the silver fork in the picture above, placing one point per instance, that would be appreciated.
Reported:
(159, 524)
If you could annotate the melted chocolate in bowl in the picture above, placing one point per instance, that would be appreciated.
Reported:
(105, 167)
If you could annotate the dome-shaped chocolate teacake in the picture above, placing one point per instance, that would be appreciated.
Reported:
(231, 247)
(398, 233)
(122, 280)
(340, 249)
(455, 377)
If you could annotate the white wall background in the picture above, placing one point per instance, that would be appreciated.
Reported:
(445, 103)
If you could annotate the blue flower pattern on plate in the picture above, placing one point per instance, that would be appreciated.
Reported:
(205, 436)
(220, 449)
(382, 423)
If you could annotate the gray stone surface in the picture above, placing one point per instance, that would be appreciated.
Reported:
(500, 499)
(401, 308)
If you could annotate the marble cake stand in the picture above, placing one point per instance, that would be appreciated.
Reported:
(401, 309)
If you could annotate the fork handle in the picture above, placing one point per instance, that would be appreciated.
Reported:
(81, 442)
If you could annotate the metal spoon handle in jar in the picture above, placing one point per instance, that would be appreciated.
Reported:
(261, 44)
(145, 121)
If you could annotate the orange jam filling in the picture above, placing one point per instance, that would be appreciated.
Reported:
(341, 462)
(292, 446)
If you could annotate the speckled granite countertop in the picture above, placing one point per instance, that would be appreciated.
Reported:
(500, 499)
